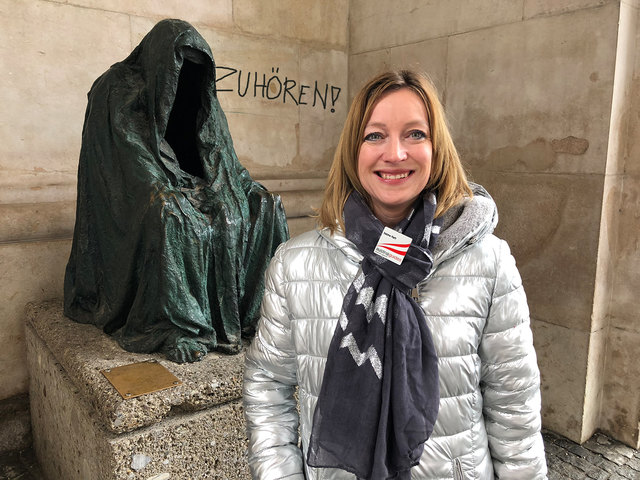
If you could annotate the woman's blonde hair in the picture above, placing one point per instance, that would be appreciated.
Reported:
(447, 174)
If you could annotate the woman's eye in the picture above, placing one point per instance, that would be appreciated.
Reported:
(372, 137)
(418, 135)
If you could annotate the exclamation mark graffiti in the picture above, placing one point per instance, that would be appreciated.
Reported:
(335, 93)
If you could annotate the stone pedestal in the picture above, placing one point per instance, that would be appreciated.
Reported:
(83, 428)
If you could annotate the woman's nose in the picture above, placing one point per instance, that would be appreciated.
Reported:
(396, 151)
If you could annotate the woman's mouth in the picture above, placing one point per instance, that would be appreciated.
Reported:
(393, 176)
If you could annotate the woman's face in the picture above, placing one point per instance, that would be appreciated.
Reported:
(395, 157)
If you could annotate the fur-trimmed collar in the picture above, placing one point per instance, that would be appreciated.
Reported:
(466, 223)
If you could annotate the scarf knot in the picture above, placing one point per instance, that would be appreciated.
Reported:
(379, 397)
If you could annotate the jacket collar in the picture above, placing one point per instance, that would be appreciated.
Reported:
(464, 224)
(341, 242)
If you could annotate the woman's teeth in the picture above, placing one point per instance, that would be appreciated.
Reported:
(388, 176)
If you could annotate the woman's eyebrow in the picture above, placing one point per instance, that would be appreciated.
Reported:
(411, 123)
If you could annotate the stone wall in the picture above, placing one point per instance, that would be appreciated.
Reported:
(543, 99)
(51, 52)
(618, 295)
(528, 87)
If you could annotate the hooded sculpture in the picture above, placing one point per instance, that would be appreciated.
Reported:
(172, 235)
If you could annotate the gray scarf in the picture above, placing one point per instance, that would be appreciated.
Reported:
(379, 397)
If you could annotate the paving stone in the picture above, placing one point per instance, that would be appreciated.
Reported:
(548, 435)
(565, 443)
(566, 470)
(617, 476)
(628, 472)
(19, 465)
(624, 450)
(579, 450)
(615, 457)
(614, 445)
(600, 458)
(634, 463)
(553, 475)
(608, 449)
(598, 474)
(11, 467)
(553, 449)
(603, 463)
(588, 468)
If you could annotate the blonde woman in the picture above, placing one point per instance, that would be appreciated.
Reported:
(402, 319)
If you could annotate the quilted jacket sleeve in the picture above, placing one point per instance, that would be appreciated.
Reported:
(510, 379)
(269, 382)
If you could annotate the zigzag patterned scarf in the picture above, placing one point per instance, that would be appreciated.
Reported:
(379, 397)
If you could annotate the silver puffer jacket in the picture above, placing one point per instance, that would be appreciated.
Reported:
(488, 425)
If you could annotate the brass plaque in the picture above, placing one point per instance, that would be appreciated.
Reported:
(138, 379)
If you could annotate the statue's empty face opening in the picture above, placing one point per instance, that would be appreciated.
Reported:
(183, 125)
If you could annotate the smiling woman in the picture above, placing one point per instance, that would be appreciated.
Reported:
(395, 158)
(402, 319)
(445, 170)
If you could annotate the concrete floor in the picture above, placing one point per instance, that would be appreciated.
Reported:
(20, 465)
(600, 458)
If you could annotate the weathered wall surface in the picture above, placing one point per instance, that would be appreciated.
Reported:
(528, 88)
(284, 93)
(620, 412)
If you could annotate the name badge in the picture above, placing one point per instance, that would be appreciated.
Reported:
(392, 245)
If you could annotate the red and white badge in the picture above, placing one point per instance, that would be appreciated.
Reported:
(392, 245)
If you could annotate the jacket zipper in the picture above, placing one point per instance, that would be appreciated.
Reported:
(457, 469)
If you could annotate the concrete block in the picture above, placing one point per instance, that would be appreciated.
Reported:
(31, 271)
(281, 185)
(36, 221)
(553, 232)
(301, 203)
(562, 358)
(625, 95)
(535, 96)
(325, 71)
(321, 120)
(363, 66)
(300, 225)
(534, 8)
(218, 13)
(604, 299)
(621, 401)
(379, 24)
(194, 430)
(632, 151)
(305, 20)
(625, 280)
(315, 151)
(429, 57)
(32, 192)
(299, 196)
(49, 64)
(271, 143)
(594, 382)
(245, 63)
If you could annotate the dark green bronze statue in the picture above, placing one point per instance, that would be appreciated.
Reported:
(172, 235)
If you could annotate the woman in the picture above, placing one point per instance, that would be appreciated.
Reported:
(374, 367)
